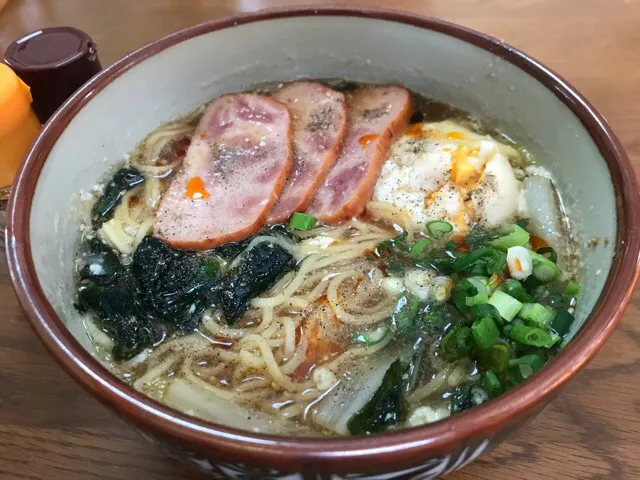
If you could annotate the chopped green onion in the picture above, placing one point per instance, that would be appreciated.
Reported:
(371, 337)
(419, 247)
(533, 336)
(439, 228)
(562, 322)
(449, 346)
(211, 266)
(544, 270)
(486, 310)
(539, 315)
(512, 236)
(496, 357)
(514, 288)
(496, 261)
(482, 293)
(406, 312)
(507, 306)
(522, 222)
(494, 282)
(534, 360)
(572, 289)
(461, 263)
(302, 221)
(549, 253)
(491, 384)
(485, 332)
(464, 341)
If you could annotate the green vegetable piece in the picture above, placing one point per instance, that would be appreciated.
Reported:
(439, 228)
(523, 368)
(511, 236)
(549, 253)
(387, 407)
(464, 341)
(572, 289)
(482, 292)
(302, 221)
(561, 323)
(211, 267)
(485, 332)
(533, 336)
(479, 237)
(507, 306)
(514, 288)
(495, 261)
(123, 180)
(406, 313)
(536, 314)
(371, 337)
(486, 310)
(258, 270)
(494, 283)
(544, 270)
(535, 361)
(496, 357)
(522, 222)
(466, 261)
(419, 247)
(461, 292)
(491, 384)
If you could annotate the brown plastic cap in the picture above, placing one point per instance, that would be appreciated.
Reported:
(54, 62)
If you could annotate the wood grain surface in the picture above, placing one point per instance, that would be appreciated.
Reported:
(51, 429)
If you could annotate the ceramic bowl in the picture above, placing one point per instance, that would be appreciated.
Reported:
(172, 76)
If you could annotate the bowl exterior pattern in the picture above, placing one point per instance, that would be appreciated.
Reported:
(430, 469)
(425, 469)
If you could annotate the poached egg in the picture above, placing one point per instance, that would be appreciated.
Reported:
(443, 171)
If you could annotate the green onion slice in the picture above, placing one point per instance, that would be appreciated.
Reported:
(439, 228)
(491, 384)
(561, 323)
(549, 253)
(512, 236)
(496, 357)
(302, 221)
(419, 247)
(485, 332)
(573, 288)
(533, 336)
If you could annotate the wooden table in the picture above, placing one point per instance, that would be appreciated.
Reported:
(50, 428)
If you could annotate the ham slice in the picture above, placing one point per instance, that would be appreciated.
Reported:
(319, 125)
(235, 168)
(377, 115)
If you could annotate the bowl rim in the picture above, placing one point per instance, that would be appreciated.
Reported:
(392, 450)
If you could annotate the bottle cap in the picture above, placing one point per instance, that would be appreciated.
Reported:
(15, 100)
(55, 62)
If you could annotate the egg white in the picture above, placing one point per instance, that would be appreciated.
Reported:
(443, 171)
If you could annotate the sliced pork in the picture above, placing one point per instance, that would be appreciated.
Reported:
(319, 125)
(234, 171)
(377, 115)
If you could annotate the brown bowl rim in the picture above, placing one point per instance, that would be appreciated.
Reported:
(383, 451)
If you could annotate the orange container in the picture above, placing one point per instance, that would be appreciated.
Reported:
(19, 125)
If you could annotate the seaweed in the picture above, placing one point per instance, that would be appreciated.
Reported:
(123, 181)
(257, 271)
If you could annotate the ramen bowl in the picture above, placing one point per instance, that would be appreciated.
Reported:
(104, 120)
